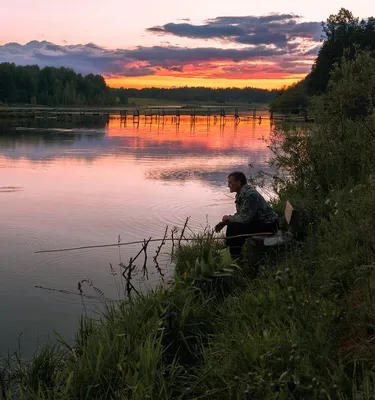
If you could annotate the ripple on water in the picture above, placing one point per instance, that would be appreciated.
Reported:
(10, 189)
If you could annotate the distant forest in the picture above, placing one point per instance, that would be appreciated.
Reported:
(62, 86)
(343, 35)
(54, 86)
(190, 94)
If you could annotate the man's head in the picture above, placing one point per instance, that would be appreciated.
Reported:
(236, 180)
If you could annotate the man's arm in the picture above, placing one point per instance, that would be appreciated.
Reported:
(219, 226)
(247, 211)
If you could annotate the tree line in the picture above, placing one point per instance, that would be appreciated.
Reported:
(62, 86)
(53, 86)
(343, 34)
(218, 95)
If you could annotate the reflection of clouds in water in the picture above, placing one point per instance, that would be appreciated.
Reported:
(216, 177)
(91, 147)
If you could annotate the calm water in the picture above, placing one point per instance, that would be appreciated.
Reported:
(75, 185)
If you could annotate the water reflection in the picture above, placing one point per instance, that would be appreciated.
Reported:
(199, 147)
(66, 185)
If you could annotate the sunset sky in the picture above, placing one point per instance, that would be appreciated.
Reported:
(170, 43)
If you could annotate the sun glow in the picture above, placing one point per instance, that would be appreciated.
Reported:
(172, 81)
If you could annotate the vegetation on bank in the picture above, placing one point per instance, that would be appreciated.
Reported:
(296, 323)
(62, 86)
(342, 34)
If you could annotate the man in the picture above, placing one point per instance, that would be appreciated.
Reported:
(254, 215)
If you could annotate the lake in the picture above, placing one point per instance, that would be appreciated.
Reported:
(69, 184)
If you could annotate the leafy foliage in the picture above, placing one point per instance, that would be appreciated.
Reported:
(335, 152)
(343, 34)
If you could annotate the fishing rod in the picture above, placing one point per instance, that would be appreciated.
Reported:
(151, 240)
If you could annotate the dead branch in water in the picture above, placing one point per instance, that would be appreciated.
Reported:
(173, 231)
(158, 252)
(183, 231)
(128, 269)
(144, 268)
(69, 292)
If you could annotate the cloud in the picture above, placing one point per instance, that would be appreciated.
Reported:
(276, 29)
(271, 46)
(198, 31)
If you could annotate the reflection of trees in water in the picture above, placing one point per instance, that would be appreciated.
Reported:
(49, 132)
(50, 139)
(67, 123)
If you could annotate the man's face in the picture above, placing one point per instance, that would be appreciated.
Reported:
(233, 185)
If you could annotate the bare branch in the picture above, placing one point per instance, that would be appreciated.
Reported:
(144, 268)
(158, 252)
(183, 231)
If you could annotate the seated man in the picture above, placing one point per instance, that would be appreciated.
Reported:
(254, 215)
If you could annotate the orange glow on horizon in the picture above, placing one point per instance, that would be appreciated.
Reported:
(139, 82)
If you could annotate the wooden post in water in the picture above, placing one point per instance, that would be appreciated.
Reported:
(124, 114)
(236, 116)
(222, 116)
(192, 116)
(254, 113)
(136, 115)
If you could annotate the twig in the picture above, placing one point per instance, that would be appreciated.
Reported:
(158, 252)
(68, 292)
(173, 231)
(144, 268)
(129, 285)
(183, 231)
(130, 268)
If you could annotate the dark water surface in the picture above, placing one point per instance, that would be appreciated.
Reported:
(67, 185)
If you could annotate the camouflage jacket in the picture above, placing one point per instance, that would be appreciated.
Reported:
(251, 206)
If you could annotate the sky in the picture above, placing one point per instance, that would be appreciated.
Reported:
(169, 43)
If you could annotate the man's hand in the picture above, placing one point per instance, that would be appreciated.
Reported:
(225, 218)
(219, 226)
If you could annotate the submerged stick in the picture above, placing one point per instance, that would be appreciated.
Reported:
(151, 240)
(69, 292)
